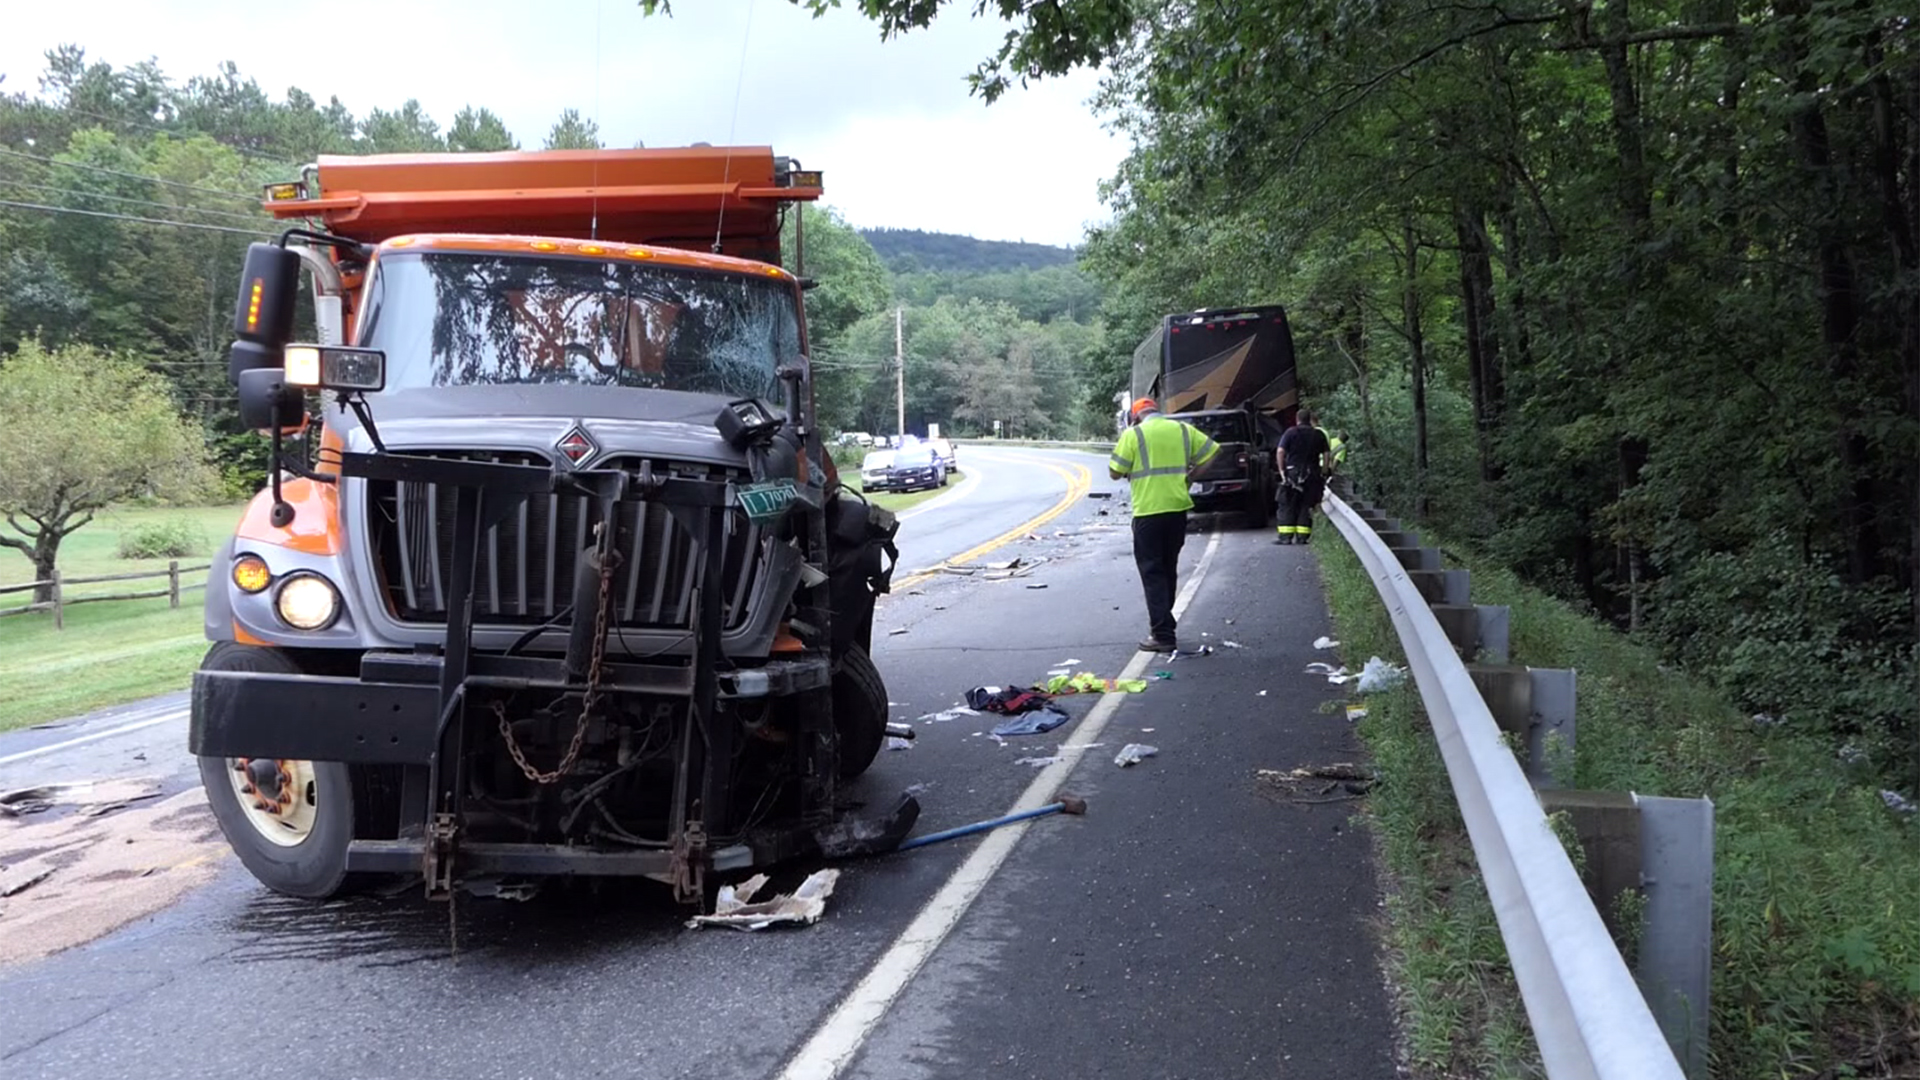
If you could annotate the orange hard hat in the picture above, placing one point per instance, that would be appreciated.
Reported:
(1141, 406)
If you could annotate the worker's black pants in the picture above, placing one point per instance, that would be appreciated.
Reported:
(1296, 511)
(1157, 540)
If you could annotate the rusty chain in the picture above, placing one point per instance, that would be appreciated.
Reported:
(609, 557)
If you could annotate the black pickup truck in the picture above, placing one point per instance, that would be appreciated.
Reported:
(1240, 477)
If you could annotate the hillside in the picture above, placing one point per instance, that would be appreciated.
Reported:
(907, 251)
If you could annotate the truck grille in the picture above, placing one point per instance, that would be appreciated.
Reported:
(527, 562)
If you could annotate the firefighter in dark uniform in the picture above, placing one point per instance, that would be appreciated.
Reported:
(1302, 464)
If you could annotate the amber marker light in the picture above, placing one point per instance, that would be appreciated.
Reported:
(250, 574)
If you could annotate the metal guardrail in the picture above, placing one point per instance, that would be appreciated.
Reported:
(1589, 1017)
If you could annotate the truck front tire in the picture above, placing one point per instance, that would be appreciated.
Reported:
(859, 711)
(289, 821)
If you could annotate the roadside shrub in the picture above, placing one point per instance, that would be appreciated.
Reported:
(173, 538)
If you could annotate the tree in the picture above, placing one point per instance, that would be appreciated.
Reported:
(574, 132)
(477, 130)
(80, 430)
(406, 130)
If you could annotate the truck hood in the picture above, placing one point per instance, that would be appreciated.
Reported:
(665, 424)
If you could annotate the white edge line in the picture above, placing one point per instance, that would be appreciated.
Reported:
(965, 489)
(96, 736)
(835, 1042)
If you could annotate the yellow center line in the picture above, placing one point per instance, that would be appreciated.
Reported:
(1079, 480)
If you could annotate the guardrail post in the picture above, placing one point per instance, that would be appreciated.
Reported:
(1675, 965)
(1492, 623)
(1535, 704)
(59, 615)
(173, 583)
(1475, 630)
(1553, 711)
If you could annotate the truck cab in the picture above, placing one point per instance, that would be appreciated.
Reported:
(1229, 372)
(560, 579)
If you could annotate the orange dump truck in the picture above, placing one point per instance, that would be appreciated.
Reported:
(553, 576)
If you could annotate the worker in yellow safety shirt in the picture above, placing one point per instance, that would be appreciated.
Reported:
(1157, 455)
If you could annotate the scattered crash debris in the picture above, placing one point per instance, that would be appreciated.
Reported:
(1231, 644)
(1356, 712)
(896, 631)
(1335, 675)
(735, 906)
(1134, 753)
(895, 742)
(1162, 676)
(1009, 564)
(1067, 663)
(1325, 643)
(1262, 693)
(901, 731)
(945, 715)
(1038, 585)
(22, 876)
(1378, 674)
(92, 797)
(1057, 672)
(1338, 782)
(1038, 762)
(1099, 494)
(1188, 654)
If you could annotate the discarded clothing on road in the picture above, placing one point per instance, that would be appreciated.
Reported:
(1008, 701)
(1032, 722)
(1088, 683)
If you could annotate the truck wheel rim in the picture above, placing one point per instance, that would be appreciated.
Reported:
(284, 818)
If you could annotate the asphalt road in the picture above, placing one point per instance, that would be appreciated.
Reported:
(1197, 922)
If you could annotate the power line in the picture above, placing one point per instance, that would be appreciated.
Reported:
(133, 217)
(278, 159)
(47, 161)
(5, 182)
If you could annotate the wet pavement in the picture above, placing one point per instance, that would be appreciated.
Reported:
(1192, 924)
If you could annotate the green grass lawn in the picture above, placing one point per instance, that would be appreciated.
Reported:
(113, 651)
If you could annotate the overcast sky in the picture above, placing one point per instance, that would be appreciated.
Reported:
(891, 123)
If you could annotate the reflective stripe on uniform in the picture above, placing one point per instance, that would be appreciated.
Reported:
(1160, 478)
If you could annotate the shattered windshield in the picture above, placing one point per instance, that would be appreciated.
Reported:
(461, 319)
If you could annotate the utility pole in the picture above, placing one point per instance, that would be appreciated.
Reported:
(899, 377)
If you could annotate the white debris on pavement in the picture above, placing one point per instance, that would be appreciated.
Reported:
(1133, 753)
(1325, 643)
(735, 905)
(1232, 644)
(1038, 762)
(895, 742)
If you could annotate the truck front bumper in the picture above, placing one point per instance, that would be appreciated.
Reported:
(1209, 494)
(390, 713)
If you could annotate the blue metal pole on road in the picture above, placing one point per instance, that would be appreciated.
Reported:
(1068, 804)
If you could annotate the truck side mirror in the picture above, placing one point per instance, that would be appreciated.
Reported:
(269, 403)
(263, 312)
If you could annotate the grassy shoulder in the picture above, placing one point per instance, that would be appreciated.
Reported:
(113, 651)
(1815, 935)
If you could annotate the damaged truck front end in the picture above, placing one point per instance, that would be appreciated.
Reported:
(566, 587)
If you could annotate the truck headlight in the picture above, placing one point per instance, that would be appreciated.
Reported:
(307, 602)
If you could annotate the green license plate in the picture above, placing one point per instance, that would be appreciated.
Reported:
(767, 501)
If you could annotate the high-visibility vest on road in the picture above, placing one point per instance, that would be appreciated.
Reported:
(1155, 456)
